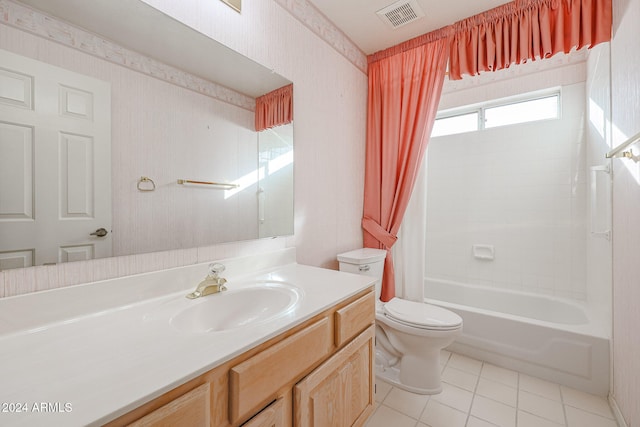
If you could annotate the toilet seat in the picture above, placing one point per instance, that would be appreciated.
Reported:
(421, 315)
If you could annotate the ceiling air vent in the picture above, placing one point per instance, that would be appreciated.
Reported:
(401, 13)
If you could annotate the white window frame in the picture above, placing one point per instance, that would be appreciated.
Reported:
(481, 108)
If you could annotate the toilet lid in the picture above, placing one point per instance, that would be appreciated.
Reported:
(421, 315)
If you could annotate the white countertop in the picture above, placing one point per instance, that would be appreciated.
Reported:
(91, 353)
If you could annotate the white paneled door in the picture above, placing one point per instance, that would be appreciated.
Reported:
(55, 164)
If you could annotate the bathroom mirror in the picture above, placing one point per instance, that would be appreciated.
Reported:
(161, 133)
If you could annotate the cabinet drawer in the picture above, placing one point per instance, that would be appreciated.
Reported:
(192, 409)
(256, 381)
(354, 318)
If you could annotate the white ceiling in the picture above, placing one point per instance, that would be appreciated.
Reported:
(358, 19)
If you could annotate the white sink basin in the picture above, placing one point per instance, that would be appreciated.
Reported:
(236, 308)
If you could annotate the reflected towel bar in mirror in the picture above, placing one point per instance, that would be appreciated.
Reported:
(215, 184)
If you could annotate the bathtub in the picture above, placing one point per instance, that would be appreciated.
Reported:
(545, 337)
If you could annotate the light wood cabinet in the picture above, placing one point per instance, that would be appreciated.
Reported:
(254, 382)
(352, 318)
(340, 392)
(191, 409)
(318, 373)
(273, 415)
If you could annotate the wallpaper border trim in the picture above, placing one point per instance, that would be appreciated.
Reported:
(48, 27)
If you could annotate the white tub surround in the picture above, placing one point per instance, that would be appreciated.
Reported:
(547, 337)
(93, 352)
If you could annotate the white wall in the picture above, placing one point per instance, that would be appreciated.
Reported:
(598, 134)
(330, 117)
(520, 188)
(625, 92)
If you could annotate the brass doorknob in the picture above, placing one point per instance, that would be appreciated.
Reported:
(100, 232)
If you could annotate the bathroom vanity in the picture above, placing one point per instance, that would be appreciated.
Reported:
(123, 353)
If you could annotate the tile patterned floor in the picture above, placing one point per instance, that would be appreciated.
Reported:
(478, 394)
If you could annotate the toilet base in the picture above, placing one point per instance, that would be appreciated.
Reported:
(419, 375)
(391, 375)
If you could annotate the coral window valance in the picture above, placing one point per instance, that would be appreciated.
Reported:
(516, 32)
(274, 108)
(525, 30)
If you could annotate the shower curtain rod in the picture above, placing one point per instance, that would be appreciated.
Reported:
(619, 150)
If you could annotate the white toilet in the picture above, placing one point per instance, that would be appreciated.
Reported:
(409, 335)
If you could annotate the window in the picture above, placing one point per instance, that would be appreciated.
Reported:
(522, 112)
(498, 113)
(456, 124)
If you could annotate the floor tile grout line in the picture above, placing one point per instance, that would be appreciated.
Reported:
(587, 411)
(478, 376)
(610, 417)
(442, 368)
(565, 423)
(381, 403)
(515, 406)
(399, 411)
(540, 394)
(564, 407)
(517, 395)
(423, 409)
(540, 416)
(395, 410)
(473, 397)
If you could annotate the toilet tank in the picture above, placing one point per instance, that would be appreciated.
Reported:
(367, 261)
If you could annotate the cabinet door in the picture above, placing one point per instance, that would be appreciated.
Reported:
(191, 409)
(340, 392)
(271, 416)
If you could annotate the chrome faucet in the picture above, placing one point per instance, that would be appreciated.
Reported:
(212, 284)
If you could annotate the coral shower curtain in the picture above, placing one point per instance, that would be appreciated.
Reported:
(404, 91)
(405, 83)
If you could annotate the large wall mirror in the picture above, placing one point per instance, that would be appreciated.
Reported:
(99, 159)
